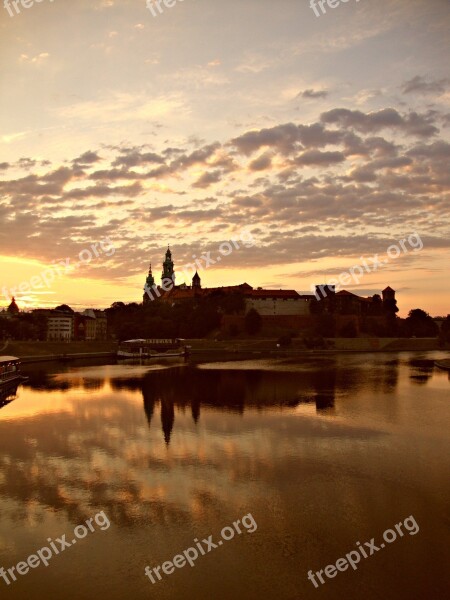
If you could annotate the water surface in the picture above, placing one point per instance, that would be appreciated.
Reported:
(323, 452)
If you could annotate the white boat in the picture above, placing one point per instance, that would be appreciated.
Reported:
(152, 348)
(9, 370)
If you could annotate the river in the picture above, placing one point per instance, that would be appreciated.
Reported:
(308, 456)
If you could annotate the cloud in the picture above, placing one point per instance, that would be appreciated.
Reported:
(289, 138)
(318, 158)
(422, 85)
(36, 60)
(134, 157)
(306, 188)
(261, 163)
(87, 158)
(440, 149)
(313, 94)
(386, 118)
(283, 137)
(207, 179)
(105, 191)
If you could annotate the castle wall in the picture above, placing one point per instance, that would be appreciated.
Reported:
(278, 306)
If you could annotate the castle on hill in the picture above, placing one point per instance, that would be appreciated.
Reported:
(280, 308)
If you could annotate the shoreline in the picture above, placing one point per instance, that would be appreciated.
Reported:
(34, 352)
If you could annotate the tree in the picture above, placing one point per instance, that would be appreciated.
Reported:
(325, 326)
(376, 307)
(65, 308)
(116, 305)
(420, 324)
(349, 330)
(253, 322)
(233, 303)
(285, 340)
(13, 309)
(445, 330)
(390, 308)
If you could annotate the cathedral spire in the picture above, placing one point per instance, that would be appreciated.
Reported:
(168, 270)
(150, 281)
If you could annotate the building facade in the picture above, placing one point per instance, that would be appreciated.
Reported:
(277, 302)
(60, 327)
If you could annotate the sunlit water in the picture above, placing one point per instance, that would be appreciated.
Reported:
(322, 452)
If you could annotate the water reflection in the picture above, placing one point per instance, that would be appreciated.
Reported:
(8, 394)
(421, 370)
(233, 391)
(322, 451)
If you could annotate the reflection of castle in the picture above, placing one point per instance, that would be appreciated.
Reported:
(232, 391)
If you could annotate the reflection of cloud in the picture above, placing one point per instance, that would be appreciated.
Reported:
(101, 449)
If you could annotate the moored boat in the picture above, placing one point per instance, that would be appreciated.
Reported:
(152, 348)
(10, 378)
(9, 370)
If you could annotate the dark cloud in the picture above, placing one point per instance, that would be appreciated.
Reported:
(87, 158)
(422, 85)
(134, 158)
(196, 157)
(31, 186)
(386, 118)
(261, 163)
(437, 150)
(207, 179)
(114, 174)
(195, 216)
(26, 163)
(103, 191)
(285, 138)
(318, 158)
(313, 94)
(288, 138)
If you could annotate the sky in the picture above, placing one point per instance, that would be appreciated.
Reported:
(317, 144)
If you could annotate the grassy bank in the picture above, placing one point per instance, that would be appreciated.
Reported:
(22, 349)
(332, 345)
(208, 346)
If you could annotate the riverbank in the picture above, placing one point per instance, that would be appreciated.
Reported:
(30, 352)
(46, 351)
(297, 346)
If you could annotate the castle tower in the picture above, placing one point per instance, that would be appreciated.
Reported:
(149, 283)
(168, 271)
(388, 294)
(196, 282)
